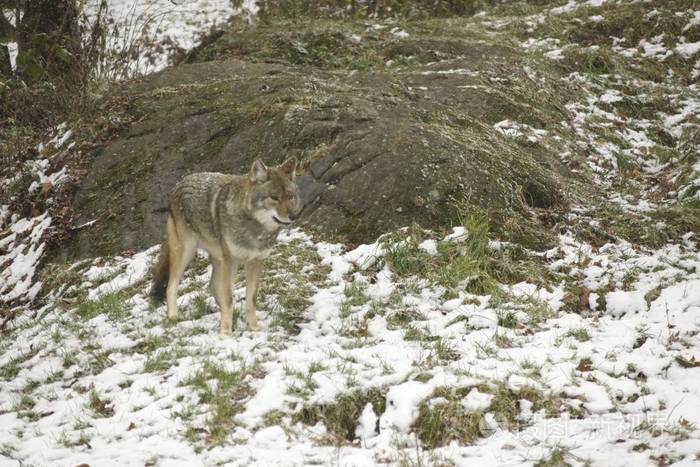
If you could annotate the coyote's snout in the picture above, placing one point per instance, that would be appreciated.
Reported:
(236, 219)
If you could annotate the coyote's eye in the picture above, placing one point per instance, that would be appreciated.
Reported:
(274, 197)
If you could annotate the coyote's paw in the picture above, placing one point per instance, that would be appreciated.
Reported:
(253, 327)
(225, 332)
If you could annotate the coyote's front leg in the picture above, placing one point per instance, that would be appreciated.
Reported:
(252, 279)
(221, 281)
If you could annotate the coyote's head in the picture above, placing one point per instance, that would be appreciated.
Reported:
(274, 195)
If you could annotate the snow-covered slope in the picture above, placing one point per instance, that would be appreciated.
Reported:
(149, 31)
(98, 376)
(143, 34)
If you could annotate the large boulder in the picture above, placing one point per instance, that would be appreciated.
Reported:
(385, 144)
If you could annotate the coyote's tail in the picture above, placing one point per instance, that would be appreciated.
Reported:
(160, 274)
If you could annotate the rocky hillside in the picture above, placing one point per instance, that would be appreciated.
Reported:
(411, 121)
(395, 127)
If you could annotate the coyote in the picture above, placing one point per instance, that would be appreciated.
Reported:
(236, 219)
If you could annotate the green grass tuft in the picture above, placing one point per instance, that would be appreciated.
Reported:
(556, 458)
(340, 417)
(580, 334)
(440, 424)
(507, 319)
(222, 391)
(462, 261)
(111, 304)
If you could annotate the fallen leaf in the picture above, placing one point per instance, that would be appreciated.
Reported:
(584, 365)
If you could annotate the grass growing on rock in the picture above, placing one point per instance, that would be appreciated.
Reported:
(455, 261)
(467, 262)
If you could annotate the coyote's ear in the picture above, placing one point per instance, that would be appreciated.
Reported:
(258, 172)
(290, 167)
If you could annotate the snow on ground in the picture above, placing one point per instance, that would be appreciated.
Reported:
(22, 238)
(619, 142)
(156, 28)
(110, 382)
(149, 31)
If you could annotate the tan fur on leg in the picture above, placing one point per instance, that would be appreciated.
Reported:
(252, 280)
(222, 290)
(182, 245)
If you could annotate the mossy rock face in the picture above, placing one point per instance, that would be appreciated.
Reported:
(385, 146)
